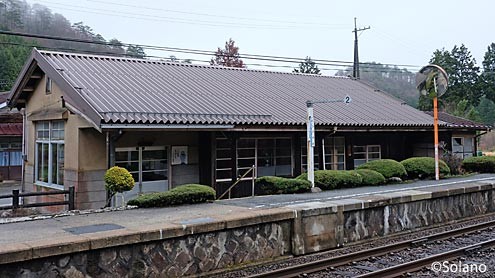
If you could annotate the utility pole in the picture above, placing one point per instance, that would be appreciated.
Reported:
(355, 68)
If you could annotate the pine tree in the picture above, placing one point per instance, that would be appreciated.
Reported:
(307, 66)
(228, 57)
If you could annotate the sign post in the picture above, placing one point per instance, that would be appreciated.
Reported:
(310, 135)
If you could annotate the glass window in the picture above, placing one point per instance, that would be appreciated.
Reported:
(270, 156)
(363, 154)
(223, 160)
(50, 153)
(462, 146)
(48, 85)
(144, 164)
(334, 150)
(304, 156)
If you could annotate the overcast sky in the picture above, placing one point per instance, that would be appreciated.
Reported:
(402, 32)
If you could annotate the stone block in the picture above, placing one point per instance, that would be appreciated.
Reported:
(15, 252)
(417, 195)
(456, 190)
(241, 219)
(160, 231)
(371, 201)
(314, 208)
(396, 197)
(59, 246)
(319, 233)
(349, 204)
(437, 191)
(113, 238)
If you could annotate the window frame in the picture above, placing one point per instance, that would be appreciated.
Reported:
(256, 156)
(51, 143)
(366, 153)
(48, 85)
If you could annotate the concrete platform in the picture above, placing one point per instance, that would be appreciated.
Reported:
(200, 238)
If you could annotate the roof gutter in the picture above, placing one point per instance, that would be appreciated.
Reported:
(157, 127)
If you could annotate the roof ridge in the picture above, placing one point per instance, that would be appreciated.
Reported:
(170, 63)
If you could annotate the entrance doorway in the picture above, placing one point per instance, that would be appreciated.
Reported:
(148, 166)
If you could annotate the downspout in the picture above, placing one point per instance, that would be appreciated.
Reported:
(110, 142)
(477, 138)
(24, 151)
(109, 163)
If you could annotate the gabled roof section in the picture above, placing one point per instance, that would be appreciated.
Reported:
(28, 79)
(115, 90)
(458, 122)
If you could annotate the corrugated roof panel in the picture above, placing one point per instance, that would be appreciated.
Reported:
(134, 90)
(10, 129)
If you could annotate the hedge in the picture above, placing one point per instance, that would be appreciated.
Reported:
(482, 164)
(333, 179)
(118, 179)
(184, 194)
(387, 167)
(279, 185)
(371, 177)
(424, 167)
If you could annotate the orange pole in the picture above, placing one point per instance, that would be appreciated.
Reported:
(435, 131)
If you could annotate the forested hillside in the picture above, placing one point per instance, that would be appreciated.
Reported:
(393, 80)
(20, 16)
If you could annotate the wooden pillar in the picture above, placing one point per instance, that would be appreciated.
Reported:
(233, 155)
(296, 143)
(205, 152)
(349, 157)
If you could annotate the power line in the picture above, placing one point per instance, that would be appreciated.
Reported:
(169, 59)
(205, 52)
(214, 15)
(150, 17)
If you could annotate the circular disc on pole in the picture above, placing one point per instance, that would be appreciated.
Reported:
(432, 80)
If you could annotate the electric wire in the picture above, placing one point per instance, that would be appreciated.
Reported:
(324, 62)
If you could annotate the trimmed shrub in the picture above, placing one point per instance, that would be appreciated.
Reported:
(482, 164)
(424, 167)
(387, 167)
(371, 177)
(333, 179)
(118, 179)
(279, 185)
(184, 194)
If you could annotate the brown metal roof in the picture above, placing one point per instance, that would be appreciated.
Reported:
(12, 129)
(458, 122)
(138, 91)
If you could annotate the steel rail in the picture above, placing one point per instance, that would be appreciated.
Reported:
(412, 266)
(324, 264)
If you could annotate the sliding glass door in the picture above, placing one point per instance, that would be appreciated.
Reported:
(148, 166)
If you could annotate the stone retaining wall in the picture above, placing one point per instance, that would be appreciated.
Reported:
(172, 250)
(176, 257)
(327, 225)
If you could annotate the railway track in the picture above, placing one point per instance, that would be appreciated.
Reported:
(330, 263)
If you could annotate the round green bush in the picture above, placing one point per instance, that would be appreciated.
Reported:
(279, 185)
(183, 194)
(482, 164)
(424, 167)
(333, 179)
(387, 167)
(118, 179)
(371, 177)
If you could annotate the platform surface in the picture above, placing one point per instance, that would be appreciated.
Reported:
(88, 227)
